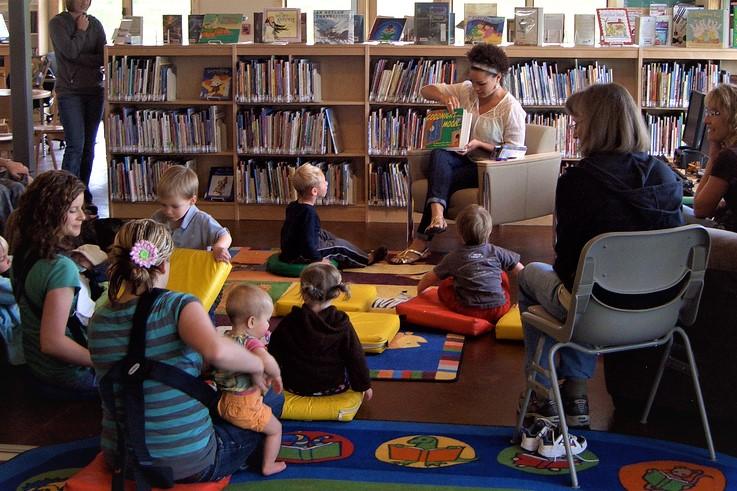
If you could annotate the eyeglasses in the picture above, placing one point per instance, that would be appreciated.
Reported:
(712, 113)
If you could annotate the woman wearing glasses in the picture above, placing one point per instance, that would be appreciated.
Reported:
(497, 118)
(716, 195)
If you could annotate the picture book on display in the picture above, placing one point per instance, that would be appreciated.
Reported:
(663, 28)
(680, 20)
(246, 35)
(584, 29)
(172, 29)
(483, 29)
(220, 28)
(387, 29)
(358, 33)
(220, 186)
(707, 29)
(554, 25)
(434, 23)
(479, 9)
(614, 27)
(194, 22)
(634, 13)
(334, 27)
(645, 31)
(448, 130)
(282, 25)
(216, 83)
(528, 28)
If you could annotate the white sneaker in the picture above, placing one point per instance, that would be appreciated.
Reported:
(532, 436)
(552, 446)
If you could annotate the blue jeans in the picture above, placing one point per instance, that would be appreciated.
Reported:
(538, 285)
(449, 172)
(236, 445)
(80, 116)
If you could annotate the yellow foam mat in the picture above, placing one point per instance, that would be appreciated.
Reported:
(510, 325)
(362, 296)
(374, 329)
(197, 272)
(338, 407)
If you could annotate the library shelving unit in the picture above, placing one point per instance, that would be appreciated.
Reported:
(346, 92)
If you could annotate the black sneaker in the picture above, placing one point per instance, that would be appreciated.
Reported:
(539, 409)
(577, 412)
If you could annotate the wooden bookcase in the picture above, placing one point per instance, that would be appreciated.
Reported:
(346, 73)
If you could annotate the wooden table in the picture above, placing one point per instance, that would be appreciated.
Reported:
(36, 94)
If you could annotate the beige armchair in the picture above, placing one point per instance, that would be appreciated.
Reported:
(511, 190)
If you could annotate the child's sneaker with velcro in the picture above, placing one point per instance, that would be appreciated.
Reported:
(532, 435)
(552, 445)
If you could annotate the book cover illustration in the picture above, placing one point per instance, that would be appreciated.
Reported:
(614, 26)
(172, 29)
(483, 29)
(448, 130)
(528, 30)
(584, 29)
(663, 25)
(246, 35)
(194, 22)
(220, 186)
(707, 29)
(431, 23)
(334, 27)
(387, 29)
(216, 83)
(680, 21)
(220, 28)
(645, 32)
(554, 25)
(479, 9)
(282, 25)
(358, 31)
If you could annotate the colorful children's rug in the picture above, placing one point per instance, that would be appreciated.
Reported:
(378, 455)
(419, 355)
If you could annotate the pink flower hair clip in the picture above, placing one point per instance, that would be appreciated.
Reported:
(144, 254)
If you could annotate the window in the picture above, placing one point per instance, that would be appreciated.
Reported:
(309, 6)
(152, 20)
(109, 13)
(570, 8)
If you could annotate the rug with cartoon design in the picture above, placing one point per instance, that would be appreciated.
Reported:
(382, 455)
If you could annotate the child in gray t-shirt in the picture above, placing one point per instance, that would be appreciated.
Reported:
(474, 277)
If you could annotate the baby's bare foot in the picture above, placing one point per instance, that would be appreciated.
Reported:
(273, 468)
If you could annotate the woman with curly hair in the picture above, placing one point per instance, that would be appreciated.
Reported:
(716, 195)
(498, 118)
(46, 283)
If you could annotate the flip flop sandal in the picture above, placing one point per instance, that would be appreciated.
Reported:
(409, 256)
(436, 227)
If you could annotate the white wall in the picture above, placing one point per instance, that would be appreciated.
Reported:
(247, 7)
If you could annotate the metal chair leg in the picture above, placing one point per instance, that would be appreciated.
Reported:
(561, 413)
(531, 374)
(697, 389)
(656, 382)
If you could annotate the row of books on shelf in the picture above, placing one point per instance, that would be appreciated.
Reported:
(395, 131)
(278, 80)
(388, 184)
(670, 84)
(141, 79)
(402, 80)
(539, 83)
(267, 130)
(565, 142)
(185, 130)
(136, 178)
(268, 182)
(665, 134)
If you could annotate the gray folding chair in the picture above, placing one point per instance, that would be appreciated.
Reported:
(632, 290)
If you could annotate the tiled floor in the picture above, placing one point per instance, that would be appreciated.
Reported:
(485, 393)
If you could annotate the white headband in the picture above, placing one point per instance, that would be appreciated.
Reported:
(485, 68)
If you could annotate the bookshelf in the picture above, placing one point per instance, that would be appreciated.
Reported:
(346, 90)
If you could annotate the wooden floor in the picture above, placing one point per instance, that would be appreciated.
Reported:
(485, 393)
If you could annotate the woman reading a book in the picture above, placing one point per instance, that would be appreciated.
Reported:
(716, 195)
(79, 43)
(498, 118)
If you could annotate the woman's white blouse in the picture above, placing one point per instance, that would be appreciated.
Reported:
(503, 123)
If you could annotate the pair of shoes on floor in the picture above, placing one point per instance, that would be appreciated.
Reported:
(437, 226)
(377, 255)
(577, 410)
(409, 256)
(545, 438)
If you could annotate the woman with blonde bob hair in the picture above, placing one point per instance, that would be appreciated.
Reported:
(617, 186)
(716, 195)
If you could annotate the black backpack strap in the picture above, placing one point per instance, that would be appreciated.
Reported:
(130, 372)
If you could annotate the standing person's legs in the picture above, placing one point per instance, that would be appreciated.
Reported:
(71, 113)
(93, 107)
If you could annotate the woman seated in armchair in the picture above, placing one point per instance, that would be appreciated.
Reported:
(716, 195)
(497, 118)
